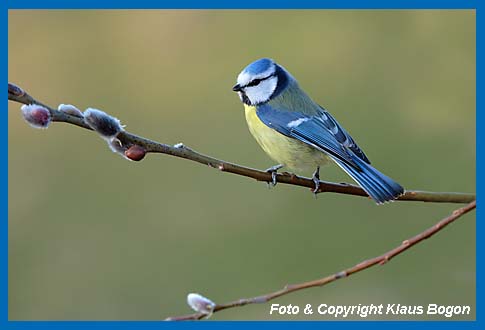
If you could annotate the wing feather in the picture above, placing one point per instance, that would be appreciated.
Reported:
(320, 131)
(323, 132)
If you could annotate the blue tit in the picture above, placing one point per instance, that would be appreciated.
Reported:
(298, 133)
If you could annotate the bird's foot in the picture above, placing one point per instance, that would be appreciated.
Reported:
(316, 180)
(274, 171)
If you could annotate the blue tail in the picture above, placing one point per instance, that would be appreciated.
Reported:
(378, 186)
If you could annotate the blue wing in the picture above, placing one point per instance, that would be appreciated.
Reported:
(320, 131)
(324, 133)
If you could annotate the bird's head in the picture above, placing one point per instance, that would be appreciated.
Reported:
(260, 81)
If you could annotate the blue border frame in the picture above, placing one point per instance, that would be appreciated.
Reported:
(280, 4)
(247, 4)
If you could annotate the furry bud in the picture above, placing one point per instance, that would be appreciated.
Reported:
(116, 146)
(36, 115)
(200, 303)
(107, 126)
(70, 110)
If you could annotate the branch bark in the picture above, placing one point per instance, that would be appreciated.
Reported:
(380, 260)
(17, 94)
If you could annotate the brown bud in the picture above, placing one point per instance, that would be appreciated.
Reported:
(135, 153)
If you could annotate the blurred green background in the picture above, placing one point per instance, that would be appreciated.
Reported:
(95, 237)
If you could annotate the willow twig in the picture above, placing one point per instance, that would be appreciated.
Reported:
(182, 151)
(380, 260)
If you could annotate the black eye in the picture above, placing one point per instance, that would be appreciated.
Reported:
(255, 82)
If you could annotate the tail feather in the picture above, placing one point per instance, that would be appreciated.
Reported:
(377, 185)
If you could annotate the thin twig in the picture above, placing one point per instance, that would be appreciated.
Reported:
(150, 146)
(380, 260)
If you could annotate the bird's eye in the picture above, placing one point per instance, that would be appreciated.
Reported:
(255, 82)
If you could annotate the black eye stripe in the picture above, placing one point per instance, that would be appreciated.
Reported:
(256, 82)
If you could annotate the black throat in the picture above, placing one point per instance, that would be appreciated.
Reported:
(245, 99)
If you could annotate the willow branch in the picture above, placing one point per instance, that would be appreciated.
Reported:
(380, 260)
(16, 94)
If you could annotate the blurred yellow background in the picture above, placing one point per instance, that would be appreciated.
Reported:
(95, 237)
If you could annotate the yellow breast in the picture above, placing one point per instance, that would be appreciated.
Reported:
(294, 154)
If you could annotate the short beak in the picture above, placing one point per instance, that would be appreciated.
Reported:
(236, 88)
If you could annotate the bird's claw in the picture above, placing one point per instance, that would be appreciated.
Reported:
(274, 172)
(316, 180)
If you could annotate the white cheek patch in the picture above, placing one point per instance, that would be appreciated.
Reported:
(297, 122)
(261, 92)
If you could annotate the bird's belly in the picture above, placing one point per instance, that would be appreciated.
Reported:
(294, 154)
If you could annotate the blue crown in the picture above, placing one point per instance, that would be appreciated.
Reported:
(258, 66)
